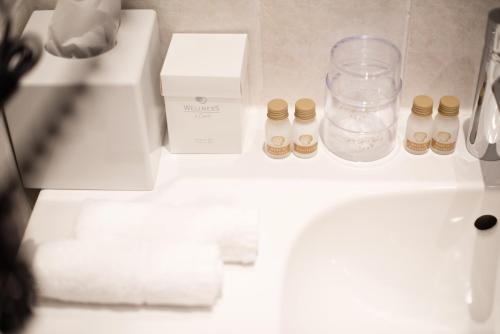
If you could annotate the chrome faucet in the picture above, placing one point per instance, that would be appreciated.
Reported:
(483, 137)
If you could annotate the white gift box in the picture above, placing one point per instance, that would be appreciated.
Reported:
(204, 84)
(111, 134)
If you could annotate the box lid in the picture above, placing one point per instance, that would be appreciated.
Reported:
(208, 65)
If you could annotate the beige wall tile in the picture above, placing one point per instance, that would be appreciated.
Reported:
(44, 4)
(290, 39)
(297, 37)
(445, 42)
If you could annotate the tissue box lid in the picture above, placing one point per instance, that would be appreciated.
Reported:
(110, 68)
(208, 65)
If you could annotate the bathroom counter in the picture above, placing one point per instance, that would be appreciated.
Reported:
(289, 193)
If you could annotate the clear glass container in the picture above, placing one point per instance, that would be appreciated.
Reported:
(362, 98)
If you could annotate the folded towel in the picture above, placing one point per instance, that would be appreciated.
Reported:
(233, 230)
(128, 273)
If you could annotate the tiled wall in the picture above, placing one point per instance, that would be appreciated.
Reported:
(440, 40)
(8, 169)
(445, 42)
(297, 37)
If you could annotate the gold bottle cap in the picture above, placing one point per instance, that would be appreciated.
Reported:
(277, 109)
(305, 109)
(422, 105)
(449, 106)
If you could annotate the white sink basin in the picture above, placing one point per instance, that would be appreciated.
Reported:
(397, 264)
(331, 259)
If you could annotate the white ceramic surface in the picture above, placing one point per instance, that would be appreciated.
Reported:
(398, 263)
(293, 195)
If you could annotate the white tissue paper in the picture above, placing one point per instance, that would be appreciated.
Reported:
(83, 28)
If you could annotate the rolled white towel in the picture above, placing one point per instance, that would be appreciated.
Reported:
(233, 230)
(128, 273)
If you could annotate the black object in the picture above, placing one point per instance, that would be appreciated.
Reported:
(17, 286)
(485, 222)
(17, 57)
(16, 296)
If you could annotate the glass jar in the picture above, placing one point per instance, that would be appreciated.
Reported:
(278, 130)
(362, 98)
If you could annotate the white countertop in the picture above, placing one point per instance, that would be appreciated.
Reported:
(289, 193)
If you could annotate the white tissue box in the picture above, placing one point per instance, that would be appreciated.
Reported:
(111, 136)
(204, 85)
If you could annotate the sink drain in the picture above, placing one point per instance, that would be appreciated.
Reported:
(485, 222)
